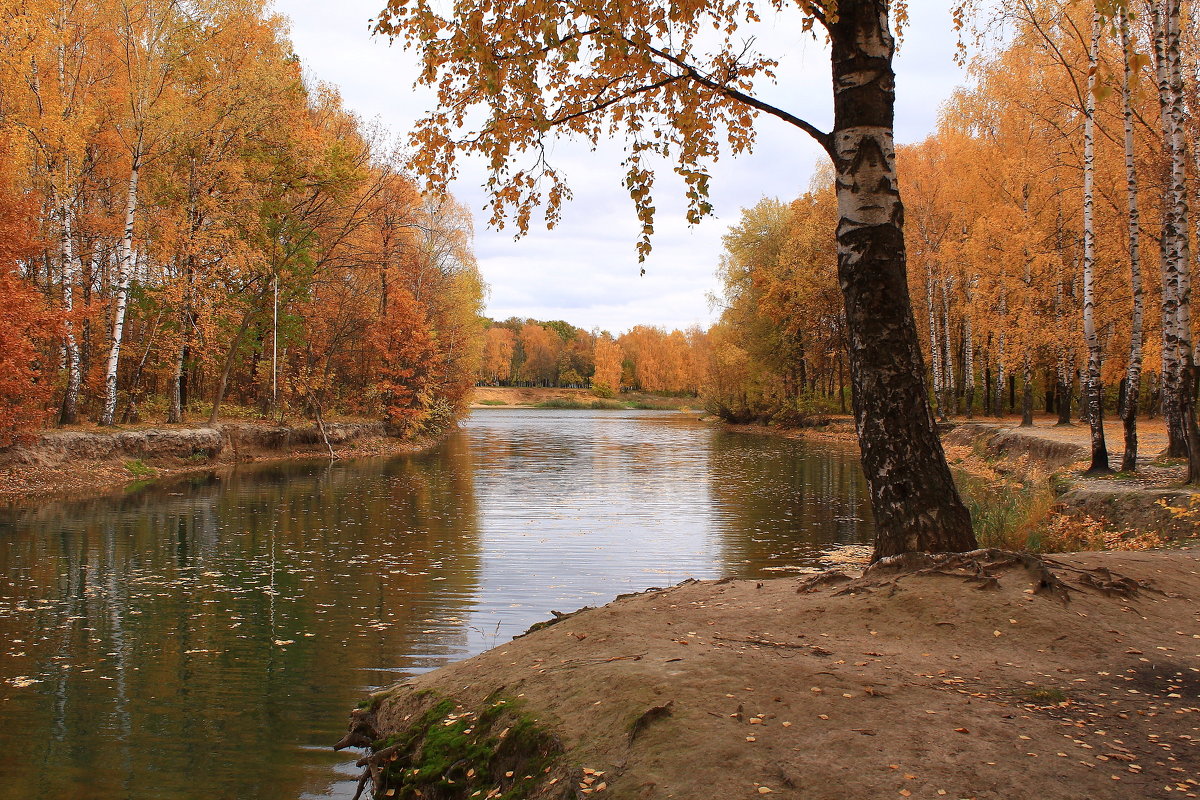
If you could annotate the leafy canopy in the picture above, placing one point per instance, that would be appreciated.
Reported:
(673, 79)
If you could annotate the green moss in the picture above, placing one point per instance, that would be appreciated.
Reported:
(451, 753)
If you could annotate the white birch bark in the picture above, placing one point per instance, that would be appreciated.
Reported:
(70, 407)
(1095, 354)
(969, 354)
(1172, 282)
(948, 403)
(124, 276)
(1133, 373)
(935, 350)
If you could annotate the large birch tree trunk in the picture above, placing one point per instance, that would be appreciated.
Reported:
(1095, 397)
(916, 504)
(1133, 373)
(1173, 241)
(124, 277)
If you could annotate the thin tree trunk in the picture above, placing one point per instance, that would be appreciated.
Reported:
(124, 276)
(1133, 374)
(1095, 353)
(1027, 395)
(175, 412)
(915, 501)
(969, 361)
(998, 401)
(947, 402)
(69, 414)
(935, 349)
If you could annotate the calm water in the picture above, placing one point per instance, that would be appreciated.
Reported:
(205, 639)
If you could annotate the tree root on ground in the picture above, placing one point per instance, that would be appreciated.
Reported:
(982, 567)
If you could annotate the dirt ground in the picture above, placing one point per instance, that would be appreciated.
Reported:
(894, 685)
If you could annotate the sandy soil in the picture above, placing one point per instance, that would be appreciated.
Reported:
(910, 685)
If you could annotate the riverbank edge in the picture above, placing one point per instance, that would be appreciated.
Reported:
(837, 685)
(1155, 500)
(72, 463)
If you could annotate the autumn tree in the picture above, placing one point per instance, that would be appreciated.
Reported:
(606, 381)
(676, 80)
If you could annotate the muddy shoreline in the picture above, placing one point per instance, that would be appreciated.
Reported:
(73, 463)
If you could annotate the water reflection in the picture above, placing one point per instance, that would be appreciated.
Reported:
(196, 640)
(205, 638)
(784, 502)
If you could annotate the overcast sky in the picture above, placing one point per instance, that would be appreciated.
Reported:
(585, 270)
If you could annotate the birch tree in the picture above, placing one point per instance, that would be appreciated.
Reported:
(1095, 397)
(643, 69)
(1133, 372)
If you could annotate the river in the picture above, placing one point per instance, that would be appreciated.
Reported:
(205, 638)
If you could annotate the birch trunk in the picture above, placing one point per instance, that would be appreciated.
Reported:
(175, 412)
(947, 404)
(1027, 395)
(915, 501)
(998, 400)
(1181, 249)
(1133, 374)
(1095, 355)
(935, 350)
(969, 359)
(69, 414)
(1172, 378)
(124, 276)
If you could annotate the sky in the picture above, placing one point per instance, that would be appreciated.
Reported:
(585, 270)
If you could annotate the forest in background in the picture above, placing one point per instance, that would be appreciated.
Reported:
(1047, 230)
(187, 220)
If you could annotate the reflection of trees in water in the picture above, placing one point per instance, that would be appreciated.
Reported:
(152, 620)
(781, 502)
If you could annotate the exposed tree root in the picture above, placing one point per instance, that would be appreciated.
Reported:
(982, 568)
(361, 732)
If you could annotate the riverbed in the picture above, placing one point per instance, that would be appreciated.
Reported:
(206, 637)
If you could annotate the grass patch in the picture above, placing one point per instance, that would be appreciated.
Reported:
(492, 403)
(563, 402)
(608, 405)
(140, 469)
(1007, 514)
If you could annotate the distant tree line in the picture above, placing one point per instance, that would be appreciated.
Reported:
(529, 352)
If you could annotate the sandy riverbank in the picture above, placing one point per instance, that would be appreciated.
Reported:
(948, 682)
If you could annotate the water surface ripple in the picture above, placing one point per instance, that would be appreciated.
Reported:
(204, 638)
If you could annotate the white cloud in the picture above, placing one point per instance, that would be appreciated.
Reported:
(586, 271)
